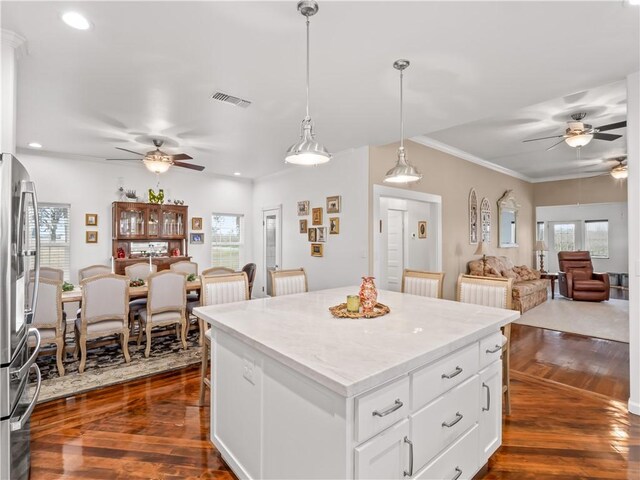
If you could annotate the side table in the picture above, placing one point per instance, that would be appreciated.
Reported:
(553, 277)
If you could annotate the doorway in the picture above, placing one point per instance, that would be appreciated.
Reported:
(396, 220)
(272, 244)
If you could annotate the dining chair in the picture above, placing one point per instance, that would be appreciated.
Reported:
(217, 271)
(425, 284)
(216, 290)
(250, 270)
(287, 282)
(491, 292)
(136, 271)
(52, 273)
(166, 305)
(185, 266)
(92, 271)
(104, 312)
(48, 318)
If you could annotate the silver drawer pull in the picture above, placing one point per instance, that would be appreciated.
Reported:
(457, 475)
(455, 373)
(453, 422)
(396, 405)
(410, 472)
(484, 385)
(497, 348)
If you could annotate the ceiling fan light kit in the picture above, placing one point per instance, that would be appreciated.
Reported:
(577, 141)
(620, 171)
(307, 151)
(158, 162)
(402, 172)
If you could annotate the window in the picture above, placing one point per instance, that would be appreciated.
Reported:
(596, 238)
(54, 236)
(564, 237)
(227, 240)
(540, 231)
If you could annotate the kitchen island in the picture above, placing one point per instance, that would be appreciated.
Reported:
(297, 393)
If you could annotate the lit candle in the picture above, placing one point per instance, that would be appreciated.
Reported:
(112, 266)
(150, 267)
(353, 303)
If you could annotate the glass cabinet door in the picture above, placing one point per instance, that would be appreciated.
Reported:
(153, 222)
(172, 223)
(131, 222)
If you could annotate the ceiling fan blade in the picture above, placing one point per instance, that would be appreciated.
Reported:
(612, 126)
(555, 144)
(189, 165)
(606, 136)
(124, 159)
(541, 138)
(181, 156)
(130, 151)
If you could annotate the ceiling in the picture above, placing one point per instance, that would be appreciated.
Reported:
(149, 68)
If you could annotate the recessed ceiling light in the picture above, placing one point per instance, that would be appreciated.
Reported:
(35, 145)
(75, 20)
(237, 174)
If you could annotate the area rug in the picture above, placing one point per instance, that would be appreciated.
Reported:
(608, 320)
(106, 366)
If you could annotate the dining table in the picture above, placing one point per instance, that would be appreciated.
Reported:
(75, 295)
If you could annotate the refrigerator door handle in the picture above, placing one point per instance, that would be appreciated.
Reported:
(29, 188)
(19, 373)
(21, 422)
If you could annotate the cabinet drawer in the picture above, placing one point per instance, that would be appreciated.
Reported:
(490, 349)
(437, 425)
(435, 379)
(381, 408)
(460, 461)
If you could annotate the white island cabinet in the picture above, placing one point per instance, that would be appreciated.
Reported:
(299, 394)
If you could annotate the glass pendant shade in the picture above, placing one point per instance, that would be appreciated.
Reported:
(620, 172)
(157, 163)
(402, 172)
(307, 151)
(576, 141)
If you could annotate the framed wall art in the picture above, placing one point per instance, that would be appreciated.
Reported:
(334, 204)
(485, 218)
(303, 226)
(473, 217)
(321, 234)
(334, 225)
(312, 234)
(422, 229)
(196, 238)
(303, 208)
(91, 236)
(316, 250)
(196, 223)
(91, 219)
(316, 216)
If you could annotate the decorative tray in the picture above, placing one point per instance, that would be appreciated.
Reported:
(340, 311)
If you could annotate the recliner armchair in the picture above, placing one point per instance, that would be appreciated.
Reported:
(577, 279)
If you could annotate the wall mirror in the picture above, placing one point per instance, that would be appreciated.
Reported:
(508, 220)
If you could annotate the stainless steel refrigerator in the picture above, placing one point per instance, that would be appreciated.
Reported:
(19, 272)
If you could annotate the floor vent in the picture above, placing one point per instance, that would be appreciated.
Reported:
(238, 102)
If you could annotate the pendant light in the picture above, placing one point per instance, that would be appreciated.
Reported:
(307, 151)
(402, 172)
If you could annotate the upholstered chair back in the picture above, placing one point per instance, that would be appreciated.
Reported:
(92, 271)
(578, 263)
(185, 267)
(217, 271)
(488, 291)
(140, 270)
(167, 291)
(287, 282)
(48, 312)
(218, 289)
(425, 284)
(52, 273)
(105, 297)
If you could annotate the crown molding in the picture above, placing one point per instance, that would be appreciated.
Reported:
(15, 41)
(456, 152)
(573, 176)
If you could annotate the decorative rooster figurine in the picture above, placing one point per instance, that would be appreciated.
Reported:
(153, 198)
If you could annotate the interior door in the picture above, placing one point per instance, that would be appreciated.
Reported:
(272, 244)
(395, 249)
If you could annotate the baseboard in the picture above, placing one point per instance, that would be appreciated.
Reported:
(634, 407)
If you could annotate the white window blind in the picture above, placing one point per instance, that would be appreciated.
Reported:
(596, 238)
(54, 236)
(227, 240)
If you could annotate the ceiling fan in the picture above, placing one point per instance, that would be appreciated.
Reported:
(158, 161)
(579, 134)
(616, 167)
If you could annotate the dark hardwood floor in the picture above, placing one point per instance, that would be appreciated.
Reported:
(153, 428)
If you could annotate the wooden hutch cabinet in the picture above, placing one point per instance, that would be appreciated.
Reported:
(137, 228)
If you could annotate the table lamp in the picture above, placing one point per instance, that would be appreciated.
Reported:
(541, 247)
(484, 250)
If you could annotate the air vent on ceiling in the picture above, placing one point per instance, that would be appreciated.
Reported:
(238, 102)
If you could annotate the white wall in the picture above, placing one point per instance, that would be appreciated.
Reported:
(90, 187)
(615, 213)
(346, 254)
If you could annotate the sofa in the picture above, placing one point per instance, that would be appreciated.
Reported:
(529, 290)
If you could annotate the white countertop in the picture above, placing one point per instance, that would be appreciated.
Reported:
(350, 356)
